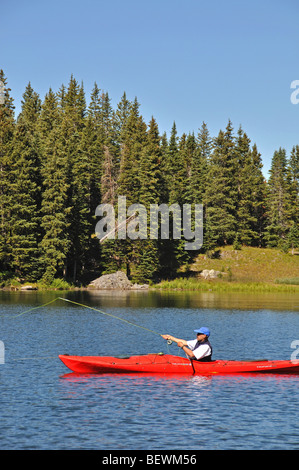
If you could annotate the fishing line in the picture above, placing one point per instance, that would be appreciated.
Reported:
(169, 342)
(110, 315)
(34, 308)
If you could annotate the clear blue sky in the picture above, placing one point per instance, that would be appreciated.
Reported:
(187, 61)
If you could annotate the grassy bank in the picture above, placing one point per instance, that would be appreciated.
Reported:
(14, 284)
(223, 286)
(246, 270)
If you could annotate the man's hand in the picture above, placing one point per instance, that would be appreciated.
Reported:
(167, 337)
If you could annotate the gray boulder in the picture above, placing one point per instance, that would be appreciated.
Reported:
(117, 281)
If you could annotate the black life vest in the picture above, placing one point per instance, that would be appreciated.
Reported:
(205, 358)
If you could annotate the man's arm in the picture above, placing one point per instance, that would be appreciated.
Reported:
(186, 350)
(182, 343)
(176, 340)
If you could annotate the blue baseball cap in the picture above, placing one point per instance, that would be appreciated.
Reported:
(203, 330)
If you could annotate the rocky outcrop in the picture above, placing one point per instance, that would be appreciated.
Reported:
(115, 281)
(210, 274)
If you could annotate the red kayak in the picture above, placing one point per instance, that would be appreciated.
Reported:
(169, 364)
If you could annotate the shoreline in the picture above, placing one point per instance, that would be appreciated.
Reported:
(249, 269)
(178, 284)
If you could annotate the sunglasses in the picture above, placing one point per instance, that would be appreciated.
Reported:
(199, 334)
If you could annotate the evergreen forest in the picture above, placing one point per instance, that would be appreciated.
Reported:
(63, 156)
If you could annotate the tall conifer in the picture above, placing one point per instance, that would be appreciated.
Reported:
(146, 252)
(293, 191)
(25, 189)
(134, 137)
(293, 183)
(73, 124)
(199, 166)
(7, 125)
(55, 185)
(278, 201)
(251, 192)
(176, 169)
(221, 191)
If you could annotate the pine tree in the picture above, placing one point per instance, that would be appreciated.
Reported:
(100, 146)
(199, 166)
(72, 105)
(134, 137)
(94, 108)
(164, 169)
(73, 124)
(150, 167)
(94, 143)
(131, 131)
(121, 117)
(187, 149)
(259, 197)
(176, 169)
(113, 257)
(293, 194)
(278, 201)
(92, 147)
(172, 251)
(55, 211)
(146, 252)
(221, 191)
(133, 141)
(111, 161)
(25, 190)
(251, 192)
(293, 184)
(293, 237)
(7, 125)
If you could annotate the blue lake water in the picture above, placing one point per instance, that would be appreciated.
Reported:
(45, 406)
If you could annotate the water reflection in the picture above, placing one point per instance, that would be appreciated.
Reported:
(119, 379)
(227, 300)
(198, 380)
(154, 298)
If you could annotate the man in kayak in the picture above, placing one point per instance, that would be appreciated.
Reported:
(198, 349)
